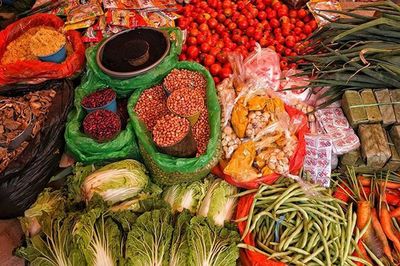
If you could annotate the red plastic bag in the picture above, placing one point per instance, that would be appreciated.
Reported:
(247, 257)
(295, 163)
(35, 71)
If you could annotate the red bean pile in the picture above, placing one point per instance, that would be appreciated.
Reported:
(201, 132)
(98, 98)
(152, 105)
(170, 130)
(185, 102)
(102, 125)
(182, 78)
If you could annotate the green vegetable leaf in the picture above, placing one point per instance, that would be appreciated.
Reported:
(116, 182)
(180, 245)
(218, 204)
(149, 241)
(211, 245)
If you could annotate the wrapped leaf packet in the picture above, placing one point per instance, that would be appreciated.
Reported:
(374, 145)
(394, 163)
(352, 158)
(395, 136)
(371, 107)
(395, 97)
(352, 105)
(385, 106)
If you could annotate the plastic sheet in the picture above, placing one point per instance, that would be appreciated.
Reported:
(27, 175)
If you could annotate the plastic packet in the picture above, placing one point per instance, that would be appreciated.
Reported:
(315, 6)
(153, 5)
(226, 96)
(261, 69)
(157, 19)
(125, 18)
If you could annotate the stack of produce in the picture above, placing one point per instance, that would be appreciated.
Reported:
(124, 223)
(373, 113)
(176, 113)
(377, 200)
(297, 226)
(356, 52)
(216, 28)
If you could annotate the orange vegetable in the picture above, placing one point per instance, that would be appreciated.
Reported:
(381, 234)
(387, 226)
(395, 212)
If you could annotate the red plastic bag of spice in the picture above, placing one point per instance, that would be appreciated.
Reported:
(35, 71)
(295, 163)
(247, 257)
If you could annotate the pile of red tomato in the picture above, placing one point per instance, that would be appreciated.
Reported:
(217, 27)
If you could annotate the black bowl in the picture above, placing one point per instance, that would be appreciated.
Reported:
(133, 52)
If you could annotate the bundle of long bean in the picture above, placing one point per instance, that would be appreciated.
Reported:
(356, 52)
(292, 227)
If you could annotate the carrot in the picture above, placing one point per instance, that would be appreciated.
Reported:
(343, 192)
(395, 212)
(361, 253)
(387, 226)
(366, 182)
(391, 199)
(363, 213)
(381, 234)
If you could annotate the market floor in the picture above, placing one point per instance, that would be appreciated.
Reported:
(10, 237)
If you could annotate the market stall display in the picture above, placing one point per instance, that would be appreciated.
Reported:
(253, 133)
(27, 39)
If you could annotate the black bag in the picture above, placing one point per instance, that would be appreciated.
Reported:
(26, 176)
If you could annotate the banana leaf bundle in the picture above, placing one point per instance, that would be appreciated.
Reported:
(355, 52)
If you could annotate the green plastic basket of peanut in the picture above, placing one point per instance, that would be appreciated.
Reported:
(166, 169)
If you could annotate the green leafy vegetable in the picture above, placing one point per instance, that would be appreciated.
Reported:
(116, 182)
(48, 202)
(186, 195)
(180, 245)
(211, 245)
(218, 204)
(149, 241)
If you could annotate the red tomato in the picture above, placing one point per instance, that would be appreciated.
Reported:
(300, 24)
(191, 40)
(237, 31)
(236, 38)
(216, 80)
(267, 2)
(232, 26)
(301, 13)
(282, 12)
(262, 15)
(293, 13)
(194, 32)
(200, 18)
(313, 24)
(250, 31)
(307, 29)
(183, 23)
(220, 44)
(212, 23)
(201, 38)
(209, 60)
(212, 3)
(220, 28)
(297, 30)
(274, 23)
(182, 57)
(284, 20)
(205, 47)
(290, 41)
(258, 35)
(271, 13)
(222, 57)
(215, 69)
(225, 73)
(192, 52)
(228, 12)
(243, 24)
(214, 51)
(240, 5)
(203, 27)
(221, 17)
(307, 19)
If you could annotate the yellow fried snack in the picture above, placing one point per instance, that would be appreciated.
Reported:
(279, 105)
(239, 118)
(240, 167)
(266, 171)
(257, 103)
